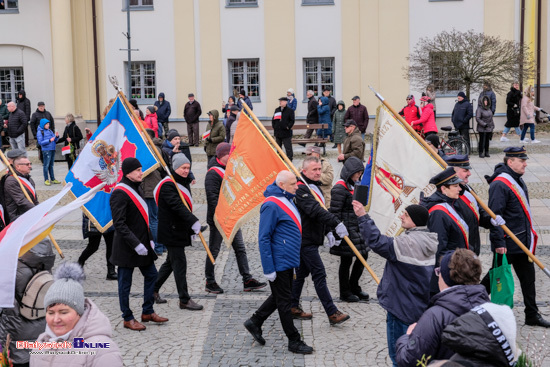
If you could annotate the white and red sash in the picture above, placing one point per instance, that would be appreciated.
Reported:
(288, 208)
(522, 198)
(2, 214)
(457, 219)
(343, 183)
(28, 185)
(138, 201)
(186, 194)
(219, 170)
(469, 199)
(277, 116)
(315, 190)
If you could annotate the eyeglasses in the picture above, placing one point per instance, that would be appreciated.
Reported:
(437, 271)
(24, 164)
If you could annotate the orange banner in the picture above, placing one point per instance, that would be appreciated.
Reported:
(253, 165)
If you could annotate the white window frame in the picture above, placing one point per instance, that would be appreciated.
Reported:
(318, 74)
(13, 89)
(317, 2)
(139, 6)
(143, 98)
(445, 84)
(241, 3)
(245, 83)
(10, 10)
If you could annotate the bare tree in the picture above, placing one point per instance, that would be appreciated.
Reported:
(455, 60)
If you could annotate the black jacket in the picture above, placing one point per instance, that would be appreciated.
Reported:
(341, 207)
(462, 113)
(17, 123)
(282, 127)
(39, 115)
(212, 185)
(316, 221)
(513, 107)
(312, 114)
(473, 342)
(333, 105)
(174, 219)
(505, 203)
(425, 339)
(473, 223)
(16, 203)
(130, 230)
(163, 109)
(24, 104)
(230, 120)
(192, 112)
(71, 131)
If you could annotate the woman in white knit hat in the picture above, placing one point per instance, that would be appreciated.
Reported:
(69, 315)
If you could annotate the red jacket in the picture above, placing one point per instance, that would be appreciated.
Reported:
(151, 122)
(411, 112)
(427, 119)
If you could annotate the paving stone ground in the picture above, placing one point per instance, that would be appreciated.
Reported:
(215, 336)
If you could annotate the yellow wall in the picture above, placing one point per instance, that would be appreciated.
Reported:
(211, 68)
(280, 51)
(184, 50)
(351, 54)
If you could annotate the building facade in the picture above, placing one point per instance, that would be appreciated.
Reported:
(213, 48)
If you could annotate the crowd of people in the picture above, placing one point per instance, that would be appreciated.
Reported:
(432, 289)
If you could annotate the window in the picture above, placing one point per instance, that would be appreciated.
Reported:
(143, 83)
(444, 70)
(245, 74)
(138, 5)
(318, 74)
(317, 2)
(11, 81)
(242, 3)
(9, 6)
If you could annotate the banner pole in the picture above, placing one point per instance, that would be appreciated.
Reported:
(485, 207)
(162, 163)
(12, 170)
(297, 173)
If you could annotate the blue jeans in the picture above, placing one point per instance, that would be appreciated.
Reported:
(125, 283)
(311, 263)
(47, 166)
(394, 329)
(507, 130)
(154, 223)
(524, 131)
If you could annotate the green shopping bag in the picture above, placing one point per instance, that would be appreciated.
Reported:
(502, 283)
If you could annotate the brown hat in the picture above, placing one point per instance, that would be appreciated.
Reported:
(313, 149)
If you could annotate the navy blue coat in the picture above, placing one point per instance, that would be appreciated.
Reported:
(163, 110)
(505, 203)
(325, 117)
(425, 339)
(462, 113)
(279, 237)
(473, 224)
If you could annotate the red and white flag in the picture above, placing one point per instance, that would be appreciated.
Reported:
(66, 150)
(277, 116)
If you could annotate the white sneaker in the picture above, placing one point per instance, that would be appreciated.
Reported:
(525, 141)
(535, 141)
(503, 138)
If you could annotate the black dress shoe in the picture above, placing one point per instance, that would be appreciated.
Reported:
(298, 346)
(537, 321)
(255, 331)
(159, 299)
(487, 155)
(112, 276)
(363, 296)
(350, 298)
(191, 305)
(204, 228)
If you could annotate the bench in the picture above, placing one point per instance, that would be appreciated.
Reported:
(316, 140)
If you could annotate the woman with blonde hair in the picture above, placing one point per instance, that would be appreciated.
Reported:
(71, 136)
(527, 117)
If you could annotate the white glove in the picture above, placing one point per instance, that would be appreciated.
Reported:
(271, 277)
(337, 243)
(152, 244)
(194, 237)
(331, 241)
(141, 249)
(341, 230)
(498, 221)
(196, 227)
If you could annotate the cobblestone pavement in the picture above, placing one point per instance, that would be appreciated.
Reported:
(215, 336)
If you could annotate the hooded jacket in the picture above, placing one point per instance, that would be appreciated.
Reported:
(24, 104)
(316, 221)
(151, 122)
(404, 289)
(279, 237)
(93, 327)
(217, 134)
(354, 146)
(360, 115)
(341, 207)
(37, 116)
(513, 105)
(4, 113)
(484, 117)
(411, 112)
(163, 108)
(43, 136)
(528, 109)
(425, 339)
(492, 97)
(505, 203)
(338, 130)
(323, 111)
(427, 120)
(462, 113)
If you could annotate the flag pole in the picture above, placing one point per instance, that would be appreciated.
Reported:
(12, 170)
(295, 171)
(161, 161)
(532, 257)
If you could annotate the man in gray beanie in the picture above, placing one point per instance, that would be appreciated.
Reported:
(177, 226)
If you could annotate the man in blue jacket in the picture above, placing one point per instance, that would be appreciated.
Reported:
(163, 113)
(279, 239)
(462, 113)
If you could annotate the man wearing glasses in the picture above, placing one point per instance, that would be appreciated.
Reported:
(16, 201)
